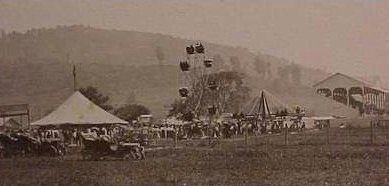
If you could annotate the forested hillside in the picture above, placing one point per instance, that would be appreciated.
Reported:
(36, 68)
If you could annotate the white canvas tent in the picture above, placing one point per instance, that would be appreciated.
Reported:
(78, 110)
(310, 121)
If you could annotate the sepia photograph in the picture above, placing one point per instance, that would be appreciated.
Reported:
(194, 92)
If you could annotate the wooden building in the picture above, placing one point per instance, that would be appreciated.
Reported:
(354, 93)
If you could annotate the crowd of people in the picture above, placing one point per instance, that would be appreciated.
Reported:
(224, 128)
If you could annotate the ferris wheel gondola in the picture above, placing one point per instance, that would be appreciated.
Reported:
(184, 65)
(212, 85)
(184, 92)
(208, 63)
(199, 48)
(190, 49)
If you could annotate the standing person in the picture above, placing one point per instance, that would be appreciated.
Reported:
(78, 137)
(65, 135)
(74, 137)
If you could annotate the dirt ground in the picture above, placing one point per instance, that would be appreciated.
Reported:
(307, 159)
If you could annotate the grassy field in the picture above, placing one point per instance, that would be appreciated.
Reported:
(349, 159)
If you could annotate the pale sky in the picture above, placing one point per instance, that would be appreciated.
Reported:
(350, 36)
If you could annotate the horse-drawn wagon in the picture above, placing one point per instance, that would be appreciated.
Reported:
(100, 148)
(23, 144)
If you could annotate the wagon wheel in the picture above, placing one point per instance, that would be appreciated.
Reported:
(127, 156)
(23, 153)
(7, 154)
(32, 151)
(96, 156)
(86, 155)
(138, 153)
(142, 155)
(61, 150)
(133, 155)
(53, 151)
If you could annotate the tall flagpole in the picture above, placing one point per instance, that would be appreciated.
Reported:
(74, 74)
(74, 78)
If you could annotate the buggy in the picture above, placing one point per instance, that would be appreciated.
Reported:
(97, 148)
(19, 144)
(52, 143)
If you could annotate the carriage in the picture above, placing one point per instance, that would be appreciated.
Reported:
(22, 145)
(17, 145)
(97, 148)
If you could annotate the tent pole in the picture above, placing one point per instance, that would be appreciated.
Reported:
(28, 117)
(74, 78)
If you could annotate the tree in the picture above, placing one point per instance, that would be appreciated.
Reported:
(159, 54)
(93, 94)
(262, 67)
(218, 62)
(132, 98)
(235, 62)
(177, 107)
(230, 94)
(3, 34)
(283, 73)
(295, 72)
(130, 112)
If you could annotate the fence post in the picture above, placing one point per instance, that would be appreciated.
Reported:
(371, 133)
(208, 129)
(286, 135)
(328, 133)
(267, 144)
(175, 138)
(386, 131)
(349, 135)
(245, 136)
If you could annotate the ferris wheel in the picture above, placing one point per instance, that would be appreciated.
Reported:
(196, 70)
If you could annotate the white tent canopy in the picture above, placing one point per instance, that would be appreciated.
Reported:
(78, 109)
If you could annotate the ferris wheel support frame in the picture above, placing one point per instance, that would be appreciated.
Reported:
(197, 78)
